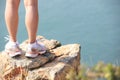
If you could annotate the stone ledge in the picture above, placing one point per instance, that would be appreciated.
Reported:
(54, 65)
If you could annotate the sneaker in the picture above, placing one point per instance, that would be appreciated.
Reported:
(34, 49)
(12, 49)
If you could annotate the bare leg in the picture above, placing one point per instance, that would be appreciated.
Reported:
(31, 20)
(11, 18)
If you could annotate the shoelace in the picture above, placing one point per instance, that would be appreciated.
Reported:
(7, 37)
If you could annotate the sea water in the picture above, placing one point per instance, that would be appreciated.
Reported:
(95, 24)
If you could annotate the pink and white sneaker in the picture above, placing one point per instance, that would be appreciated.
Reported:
(12, 49)
(34, 49)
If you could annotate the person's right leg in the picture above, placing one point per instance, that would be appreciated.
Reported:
(11, 18)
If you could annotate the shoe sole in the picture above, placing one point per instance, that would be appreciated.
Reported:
(13, 55)
(28, 55)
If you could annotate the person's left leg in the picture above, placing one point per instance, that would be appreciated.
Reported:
(31, 18)
(31, 21)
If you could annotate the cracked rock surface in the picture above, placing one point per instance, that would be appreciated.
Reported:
(53, 65)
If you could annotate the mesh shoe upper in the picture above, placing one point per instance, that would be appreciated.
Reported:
(33, 50)
(12, 48)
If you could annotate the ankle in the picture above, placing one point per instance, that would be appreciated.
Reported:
(32, 41)
(32, 44)
(12, 39)
(13, 42)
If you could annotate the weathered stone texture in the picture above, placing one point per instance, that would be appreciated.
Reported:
(54, 65)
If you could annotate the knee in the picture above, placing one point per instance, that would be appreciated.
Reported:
(28, 3)
(13, 3)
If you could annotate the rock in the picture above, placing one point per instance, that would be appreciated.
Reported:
(54, 65)
(40, 60)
